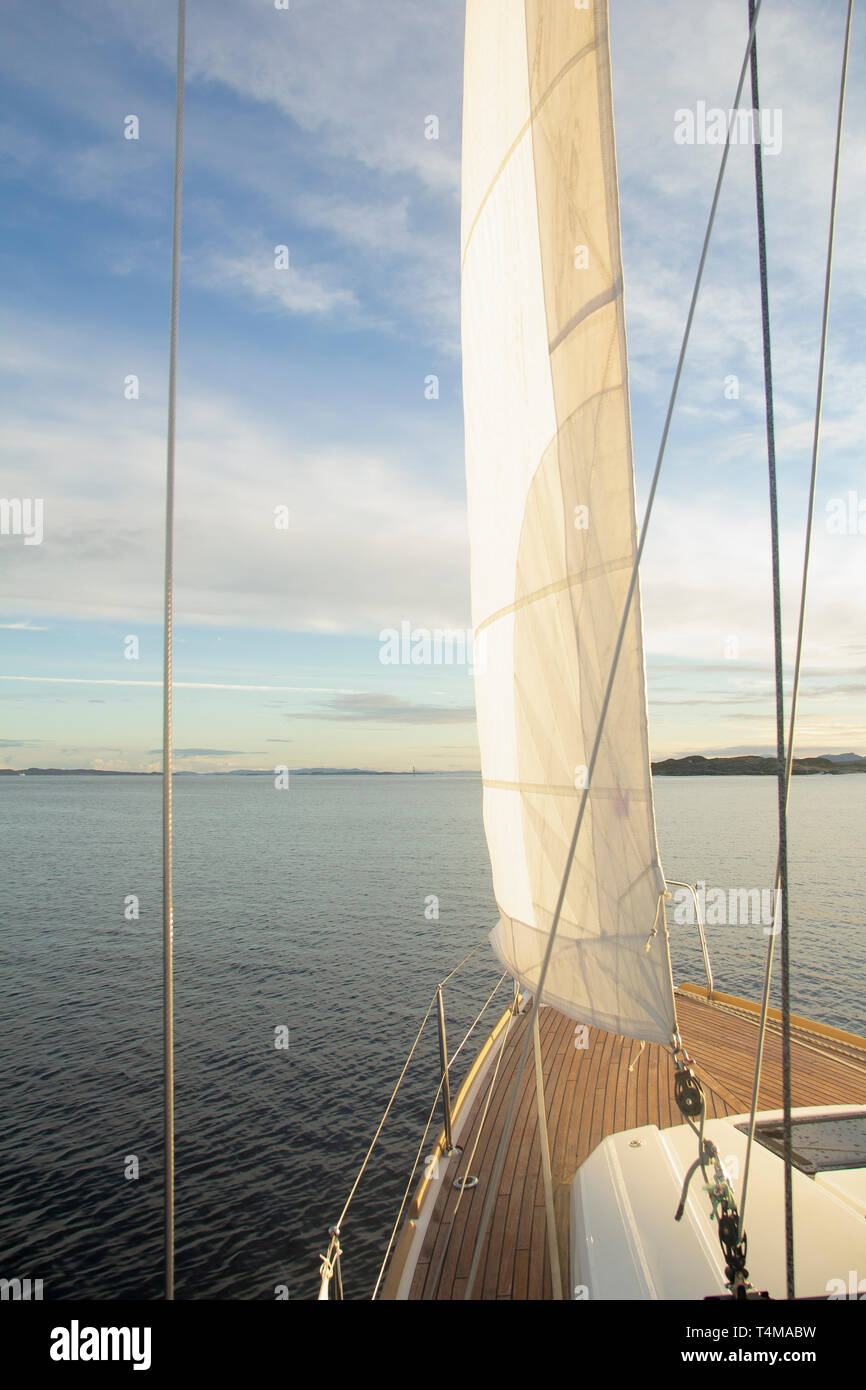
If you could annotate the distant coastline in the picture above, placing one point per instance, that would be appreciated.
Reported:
(231, 772)
(694, 765)
(750, 765)
(184, 772)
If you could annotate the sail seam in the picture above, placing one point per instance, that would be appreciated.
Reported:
(549, 789)
(608, 296)
(527, 125)
(585, 577)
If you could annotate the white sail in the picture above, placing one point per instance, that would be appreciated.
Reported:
(551, 516)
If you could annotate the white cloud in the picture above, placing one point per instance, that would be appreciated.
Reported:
(296, 291)
(371, 541)
(706, 579)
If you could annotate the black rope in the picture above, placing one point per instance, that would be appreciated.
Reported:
(780, 695)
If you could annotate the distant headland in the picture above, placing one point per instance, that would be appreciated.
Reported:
(751, 765)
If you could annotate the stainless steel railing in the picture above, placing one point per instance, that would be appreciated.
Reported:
(330, 1277)
(691, 887)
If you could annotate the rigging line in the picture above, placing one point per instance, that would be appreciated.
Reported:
(408, 1187)
(385, 1115)
(461, 964)
(456, 1053)
(471, 1029)
(509, 1119)
(511, 1017)
(167, 858)
(819, 395)
(468, 1165)
(374, 1140)
(781, 755)
(469, 1033)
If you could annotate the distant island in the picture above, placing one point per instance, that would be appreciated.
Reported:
(751, 765)
(184, 772)
(695, 765)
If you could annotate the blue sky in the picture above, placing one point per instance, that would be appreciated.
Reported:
(305, 388)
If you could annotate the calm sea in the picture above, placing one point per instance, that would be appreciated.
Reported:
(307, 910)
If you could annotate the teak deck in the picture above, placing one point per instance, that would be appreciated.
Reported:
(611, 1084)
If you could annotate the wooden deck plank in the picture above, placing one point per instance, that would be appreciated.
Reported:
(610, 1085)
(485, 1156)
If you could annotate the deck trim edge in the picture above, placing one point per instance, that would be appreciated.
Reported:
(797, 1020)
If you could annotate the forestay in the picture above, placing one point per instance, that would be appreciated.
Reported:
(551, 516)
